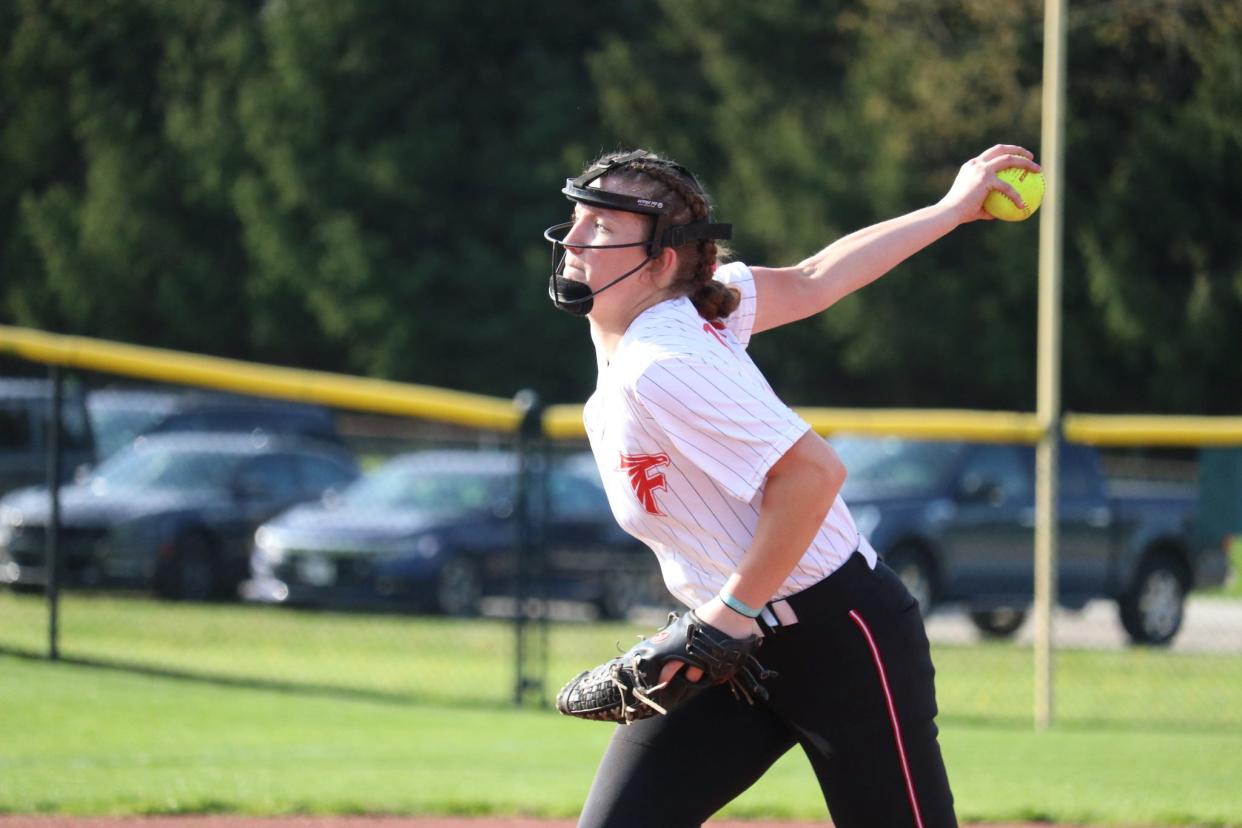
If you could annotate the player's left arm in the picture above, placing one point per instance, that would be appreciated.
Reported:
(787, 294)
(798, 492)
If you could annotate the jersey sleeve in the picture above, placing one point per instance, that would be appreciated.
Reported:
(742, 321)
(730, 425)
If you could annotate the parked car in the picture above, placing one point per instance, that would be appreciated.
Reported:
(118, 415)
(171, 512)
(436, 530)
(25, 412)
(956, 522)
(312, 422)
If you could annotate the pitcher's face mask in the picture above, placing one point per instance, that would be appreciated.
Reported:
(577, 297)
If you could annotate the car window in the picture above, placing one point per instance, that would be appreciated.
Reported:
(24, 426)
(140, 468)
(116, 428)
(258, 419)
(1076, 473)
(116, 418)
(895, 466)
(422, 487)
(1000, 466)
(75, 428)
(204, 421)
(272, 476)
(321, 473)
(15, 430)
(458, 492)
(574, 496)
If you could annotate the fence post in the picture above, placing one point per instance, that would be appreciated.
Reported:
(52, 536)
(530, 614)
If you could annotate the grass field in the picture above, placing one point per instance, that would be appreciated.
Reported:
(265, 711)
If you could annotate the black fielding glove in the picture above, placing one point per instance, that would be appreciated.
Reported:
(627, 688)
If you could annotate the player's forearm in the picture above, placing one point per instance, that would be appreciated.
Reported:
(857, 260)
(797, 496)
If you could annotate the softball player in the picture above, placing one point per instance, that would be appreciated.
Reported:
(738, 499)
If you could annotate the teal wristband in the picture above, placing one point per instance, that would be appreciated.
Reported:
(738, 606)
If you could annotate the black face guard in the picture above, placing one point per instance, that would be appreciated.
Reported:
(577, 298)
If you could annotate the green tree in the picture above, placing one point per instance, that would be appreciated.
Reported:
(354, 186)
(816, 118)
(821, 118)
(360, 185)
(409, 157)
(1156, 134)
(116, 222)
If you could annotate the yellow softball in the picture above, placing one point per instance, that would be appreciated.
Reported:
(1030, 185)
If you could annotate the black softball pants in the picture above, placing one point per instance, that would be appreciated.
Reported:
(856, 692)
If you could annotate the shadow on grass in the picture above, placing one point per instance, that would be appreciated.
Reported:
(299, 688)
(330, 691)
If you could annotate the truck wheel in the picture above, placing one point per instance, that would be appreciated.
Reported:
(1152, 610)
(459, 586)
(998, 623)
(914, 569)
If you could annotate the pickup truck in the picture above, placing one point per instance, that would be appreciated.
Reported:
(956, 520)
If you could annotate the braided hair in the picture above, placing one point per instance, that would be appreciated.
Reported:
(660, 179)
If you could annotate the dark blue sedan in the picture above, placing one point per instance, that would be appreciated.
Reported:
(171, 512)
(436, 531)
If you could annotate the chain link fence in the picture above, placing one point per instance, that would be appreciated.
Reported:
(245, 540)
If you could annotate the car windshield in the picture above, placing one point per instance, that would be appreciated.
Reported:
(895, 466)
(423, 488)
(147, 468)
(116, 426)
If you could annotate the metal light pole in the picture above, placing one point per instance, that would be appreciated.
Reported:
(1048, 390)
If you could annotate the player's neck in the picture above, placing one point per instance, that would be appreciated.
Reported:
(608, 325)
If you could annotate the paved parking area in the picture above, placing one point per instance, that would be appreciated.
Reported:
(1212, 625)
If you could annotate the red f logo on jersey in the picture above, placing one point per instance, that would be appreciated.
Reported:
(639, 468)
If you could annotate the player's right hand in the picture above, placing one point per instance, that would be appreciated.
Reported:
(977, 177)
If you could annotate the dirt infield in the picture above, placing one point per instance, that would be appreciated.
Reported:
(224, 821)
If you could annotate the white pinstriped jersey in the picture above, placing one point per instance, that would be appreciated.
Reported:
(684, 429)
